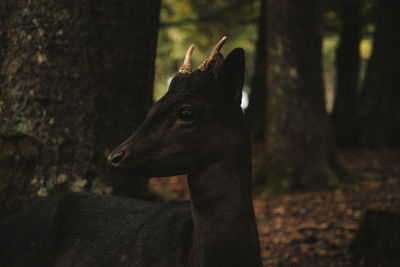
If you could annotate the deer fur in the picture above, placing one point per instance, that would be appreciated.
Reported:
(197, 129)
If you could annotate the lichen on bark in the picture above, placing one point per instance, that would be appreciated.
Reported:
(76, 77)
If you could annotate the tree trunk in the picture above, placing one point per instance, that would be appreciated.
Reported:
(377, 242)
(379, 110)
(348, 65)
(299, 145)
(76, 77)
(255, 113)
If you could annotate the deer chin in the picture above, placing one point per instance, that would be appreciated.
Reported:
(139, 172)
(149, 169)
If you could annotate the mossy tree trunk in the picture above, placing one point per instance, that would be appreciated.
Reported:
(76, 78)
(348, 66)
(379, 110)
(255, 113)
(299, 146)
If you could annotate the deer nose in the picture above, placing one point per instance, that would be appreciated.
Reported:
(115, 159)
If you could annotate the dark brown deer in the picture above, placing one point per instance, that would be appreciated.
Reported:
(196, 129)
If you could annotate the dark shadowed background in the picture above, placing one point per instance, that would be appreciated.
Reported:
(321, 100)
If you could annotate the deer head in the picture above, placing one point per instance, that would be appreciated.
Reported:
(194, 124)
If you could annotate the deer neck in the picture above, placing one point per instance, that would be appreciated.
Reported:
(224, 227)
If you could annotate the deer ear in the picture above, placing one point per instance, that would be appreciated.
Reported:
(231, 76)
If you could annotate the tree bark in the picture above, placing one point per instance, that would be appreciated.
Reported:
(299, 146)
(377, 242)
(347, 65)
(255, 112)
(76, 77)
(379, 110)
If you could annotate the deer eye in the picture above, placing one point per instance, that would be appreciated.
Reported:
(185, 114)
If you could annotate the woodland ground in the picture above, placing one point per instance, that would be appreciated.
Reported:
(315, 229)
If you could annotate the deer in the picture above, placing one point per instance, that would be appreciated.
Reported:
(197, 129)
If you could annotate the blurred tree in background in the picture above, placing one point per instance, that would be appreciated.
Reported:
(255, 113)
(299, 147)
(347, 66)
(379, 108)
(76, 77)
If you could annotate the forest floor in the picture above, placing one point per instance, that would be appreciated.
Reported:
(315, 229)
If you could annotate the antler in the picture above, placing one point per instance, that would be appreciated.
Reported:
(215, 58)
(187, 65)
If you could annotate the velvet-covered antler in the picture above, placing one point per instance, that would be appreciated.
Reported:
(214, 61)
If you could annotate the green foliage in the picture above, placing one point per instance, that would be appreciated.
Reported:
(366, 46)
(203, 23)
(329, 46)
